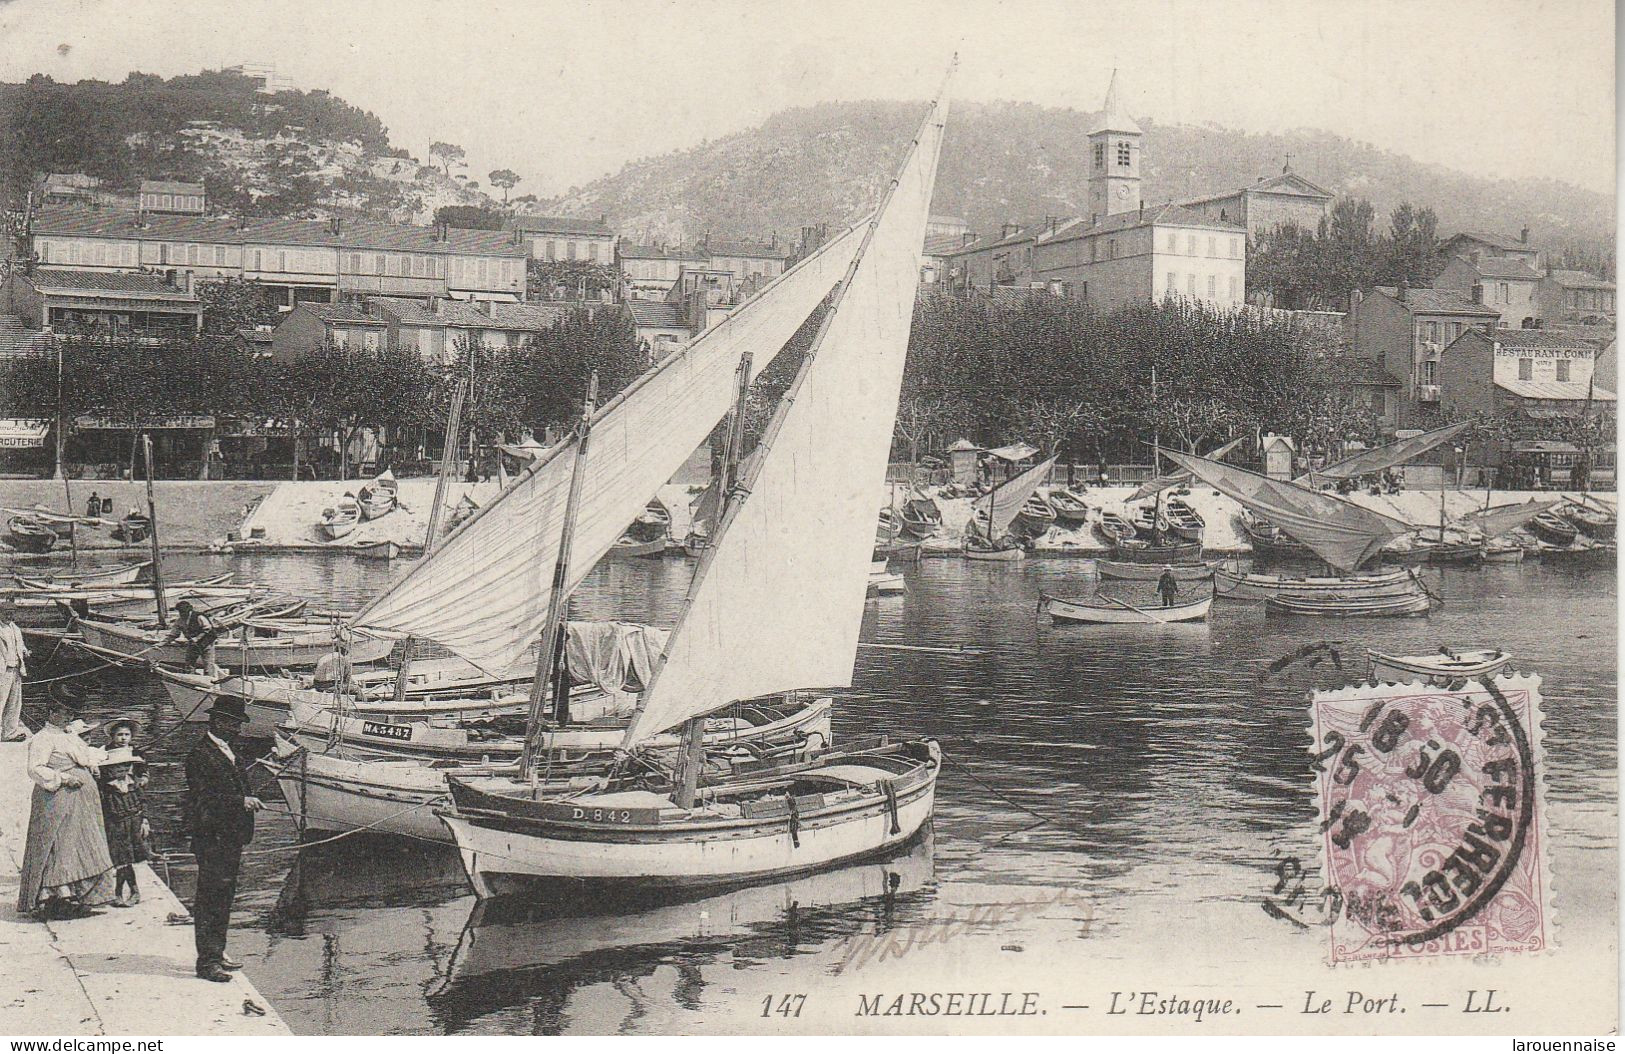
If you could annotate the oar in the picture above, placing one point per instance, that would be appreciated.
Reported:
(1131, 607)
(957, 649)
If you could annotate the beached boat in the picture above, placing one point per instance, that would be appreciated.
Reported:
(123, 643)
(992, 534)
(822, 458)
(377, 549)
(134, 528)
(1035, 516)
(1254, 585)
(1600, 525)
(1134, 551)
(379, 496)
(340, 519)
(28, 535)
(1114, 527)
(1399, 606)
(1503, 553)
(628, 547)
(921, 516)
(1069, 508)
(1268, 539)
(1553, 529)
(1183, 520)
(84, 580)
(1138, 572)
(980, 549)
(1438, 669)
(1104, 609)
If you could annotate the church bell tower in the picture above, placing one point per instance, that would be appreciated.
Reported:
(1114, 159)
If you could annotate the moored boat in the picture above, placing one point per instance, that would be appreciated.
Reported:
(1253, 585)
(1438, 669)
(627, 547)
(1134, 551)
(1139, 572)
(377, 549)
(1553, 529)
(1401, 605)
(1266, 537)
(122, 643)
(28, 535)
(75, 579)
(1503, 553)
(1598, 524)
(1602, 554)
(1103, 609)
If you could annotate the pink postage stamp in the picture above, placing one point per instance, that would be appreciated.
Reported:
(1432, 825)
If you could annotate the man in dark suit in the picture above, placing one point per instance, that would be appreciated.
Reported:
(220, 815)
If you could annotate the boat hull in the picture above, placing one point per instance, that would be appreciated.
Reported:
(1255, 586)
(382, 550)
(1437, 669)
(1063, 611)
(1129, 551)
(1350, 607)
(625, 549)
(128, 644)
(1151, 572)
(1552, 529)
(85, 580)
(886, 584)
(504, 855)
(997, 556)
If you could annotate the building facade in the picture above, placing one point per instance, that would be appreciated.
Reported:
(106, 304)
(1405, 331)
(436, 329)
(159, 195)
(1466, 243)
(1576, 296)
(991, 263)
(1505, 284)
(566, 238)
(1269, 203)
(1145, 257)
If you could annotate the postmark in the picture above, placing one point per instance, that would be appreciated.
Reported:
(1431, 826)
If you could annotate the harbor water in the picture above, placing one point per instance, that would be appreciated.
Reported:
(1145, 784)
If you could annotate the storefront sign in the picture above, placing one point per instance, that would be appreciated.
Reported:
(18, 433)
(193, 421)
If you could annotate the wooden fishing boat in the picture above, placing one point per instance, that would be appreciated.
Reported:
(215, 585)
(1146, 521)
(628, 547)
(1602, 554)
(134, 528)
(1330, 606)
(1183, 520)
(1503, 553)
(1266, 537)
(904, 552)
(1114, 528)
(1135, 572)
(1594, 522)
(1553, 529)
(1035, 516)
(340, 520)
(1102, 609)
(822, 457)
(921, 516)
(1438, 669)
(888, 527)
(783, 821)
(1006, 550)
(1433, 551)
(28, 535)
(379, 496)
(466, 507)
(122, 643)
(84, 580)
(378, 549)
(1069, 508)
(654, 516)
(1133, 551)
(1253, 585)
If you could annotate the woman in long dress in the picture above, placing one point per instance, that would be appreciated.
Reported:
(66, 866)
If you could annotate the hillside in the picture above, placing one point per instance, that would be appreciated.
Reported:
(292, 153)
(1019, 161)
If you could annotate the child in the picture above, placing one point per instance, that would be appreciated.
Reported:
(122, 776)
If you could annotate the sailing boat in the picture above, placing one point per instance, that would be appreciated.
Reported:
(987, 535)
(804, 513)
(1343, 534)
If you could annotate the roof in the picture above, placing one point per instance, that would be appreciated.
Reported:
(162, 186)
(461, 314)
(1113, 118)
(351, 313)
(944, 244)
(1534, 338)
(1014, 452)
(654, 313)
(1503, 267)
(127, 284)
(559, 225)
(1495, 241)
(747, 250)
(1156, 215)
(1578, 280)
(1287, 182)
(17, 339)
(630, 251)
(80, 221)
(1016, 237)
(1370, 372)
(1426, 301)
(1575, 390)
(253, 336)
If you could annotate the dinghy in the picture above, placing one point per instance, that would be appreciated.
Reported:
(628, 546)
(1069, 508)
(75, 579)
(378, 549)
(1598, 524)
(340, 520)
(1438, 669)
(1266, 538)
(921, 516)
(134, 528)
(1103, 609)
(1350, 606)
(1553, 529)
(1035, 516)
(1183, 520)
(379, 497)
(127, 644)
(1134, 572)
(1134, 551)
(28, 535)
(1253, 585)
(1113, 527)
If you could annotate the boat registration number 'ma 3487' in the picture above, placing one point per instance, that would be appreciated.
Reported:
(384, 730)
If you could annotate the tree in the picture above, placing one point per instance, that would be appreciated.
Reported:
(507, 179)
(236, 303)
(469, 217)
(341, 390)
(449, 154)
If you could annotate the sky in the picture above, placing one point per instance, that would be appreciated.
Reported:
(565, 92)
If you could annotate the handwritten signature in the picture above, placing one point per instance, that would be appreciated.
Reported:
(875, 946)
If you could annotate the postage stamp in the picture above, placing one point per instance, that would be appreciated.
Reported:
(1431, 818)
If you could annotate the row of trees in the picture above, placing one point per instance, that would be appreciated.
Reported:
(1062, 375)
(329, 391)
(1306, 269)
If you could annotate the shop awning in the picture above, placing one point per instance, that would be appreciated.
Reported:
(22, 432)
(1014, 452)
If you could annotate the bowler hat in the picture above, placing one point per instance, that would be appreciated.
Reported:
(66, 696)
(229, 706)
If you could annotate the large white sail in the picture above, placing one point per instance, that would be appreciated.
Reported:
(998, 508)
(483, 592)
(778, 603)
(1504, 518)
(1379, 459)
(1179, 479)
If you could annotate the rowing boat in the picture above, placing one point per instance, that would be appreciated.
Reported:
(1266, 537)
(133, 529)
(1416, 603)
(921, 516)
(1183, 520)
(339, 520)
(122, 643)
(379, 497)
(1437, 669)
(1135, 572)
(378, 549)
(72, 578)
(1553, 529)
(1113, 527)
(1133, 551)
(627, 547)
(1035, 516)
(1069, 508)
(28, 535)
(1120, 612)
(1254, 585)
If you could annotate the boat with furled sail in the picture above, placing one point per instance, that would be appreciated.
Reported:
(818, 466)
(989, 535)
(1104, 609)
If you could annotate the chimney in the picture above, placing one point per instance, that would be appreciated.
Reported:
(141, 218)
(186, 282)
(1478, 293)
(333, 224)
(603, 219)
(483, 307)
(434, 305)
(1402, 294)
(967, 238)
(1523, 236)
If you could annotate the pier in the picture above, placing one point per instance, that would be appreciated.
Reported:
(123, 972)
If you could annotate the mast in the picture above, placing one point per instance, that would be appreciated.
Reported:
(152, 535)
(547, 657)
(1156, 459)
(448, 465)
(691, 758)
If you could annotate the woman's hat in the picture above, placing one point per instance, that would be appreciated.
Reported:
(229, 706)
(78, 727)
(66, 696)
(123, 756)
(124, 722)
